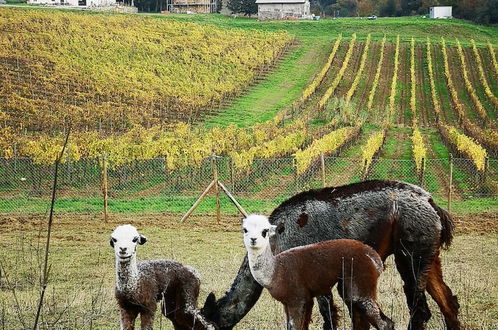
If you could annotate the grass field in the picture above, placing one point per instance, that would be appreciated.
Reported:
(80, 292)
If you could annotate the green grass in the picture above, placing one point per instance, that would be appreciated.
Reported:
(175, 204)
(279, 89)
(406, 27)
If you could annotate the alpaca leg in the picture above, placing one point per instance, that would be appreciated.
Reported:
(187, 315)
(329, 312)
(372, 314)
(147, 321)
(358, 318)
(128, 319)
(441, 293)
(412, 262)
(296, 316)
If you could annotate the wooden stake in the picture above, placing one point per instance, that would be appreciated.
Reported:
(198, 201)
(322, 161)
(451, 183)
(239, 207)
(216, 189)
(105, 187)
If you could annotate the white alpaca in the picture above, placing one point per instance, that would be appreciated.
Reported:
(139, 286)
(295, 276)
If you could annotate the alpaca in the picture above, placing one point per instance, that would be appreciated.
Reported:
(294, 277)
(139, 286)
(394, 218)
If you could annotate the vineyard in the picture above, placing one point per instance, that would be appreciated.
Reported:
(143, 96)
(158, 106)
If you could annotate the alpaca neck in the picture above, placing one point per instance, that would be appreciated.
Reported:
(262, 265)
(126, 274)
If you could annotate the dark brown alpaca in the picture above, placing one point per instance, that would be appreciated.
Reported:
(394, 218)
(139, 286)
(294, 277)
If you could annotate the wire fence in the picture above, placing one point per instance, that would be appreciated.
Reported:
(147, 186)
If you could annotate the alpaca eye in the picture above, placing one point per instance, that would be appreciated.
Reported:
(135, 239)
(244, 230)
(264, 232)
(114, 240)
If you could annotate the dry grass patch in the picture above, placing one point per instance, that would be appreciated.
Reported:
(80, 293)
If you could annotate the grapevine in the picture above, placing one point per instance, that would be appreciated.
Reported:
(319, 78)
(377, 75)
(493, 56)
(327, 144)
(413, 84)
(356, 81)
(394, 81)
(125, 70)
(466, 146)
(337, 80)
(482, 76)
(372, 146)
(419, 150)
(479, 107)
(435, 100)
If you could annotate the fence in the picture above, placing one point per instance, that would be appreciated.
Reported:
(147, 186)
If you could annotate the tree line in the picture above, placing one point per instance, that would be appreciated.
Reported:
(479, 11)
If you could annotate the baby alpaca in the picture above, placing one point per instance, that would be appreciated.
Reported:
(295, 276)
(139, 286)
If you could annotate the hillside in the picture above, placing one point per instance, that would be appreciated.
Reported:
(406, 89)
(111, 72)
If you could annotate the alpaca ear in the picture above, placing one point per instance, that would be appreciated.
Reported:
(273, 230)
(142, 240)
(111, 242)
(210, 309)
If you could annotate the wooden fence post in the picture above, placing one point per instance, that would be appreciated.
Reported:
(422, 172)
(296, 176)
(105, 187)
(364, 174)
(450, 183)
(216, 188)
(322, 163)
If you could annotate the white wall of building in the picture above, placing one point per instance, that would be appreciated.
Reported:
(282, 10)
(441, 12)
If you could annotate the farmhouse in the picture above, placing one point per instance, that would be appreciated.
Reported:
(191, 6)
(282, 9)
(441, 12)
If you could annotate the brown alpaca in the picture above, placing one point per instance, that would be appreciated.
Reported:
(294, 277)
(139, 286)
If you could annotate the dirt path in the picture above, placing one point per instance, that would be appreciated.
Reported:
(459, 82)
(363, 91)
(350, 73)
(381, 98)
(475, 79)
(449, 114)
(402, 104)
(423, 88)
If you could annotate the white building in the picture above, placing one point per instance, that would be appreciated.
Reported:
(441, 12)
(282, 9)
(75, 3)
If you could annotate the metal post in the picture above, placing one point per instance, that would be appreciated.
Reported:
(322, 163)
(104, 184)
(450, 183)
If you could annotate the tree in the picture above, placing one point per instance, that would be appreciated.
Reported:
(247, 7)
(389, 8)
